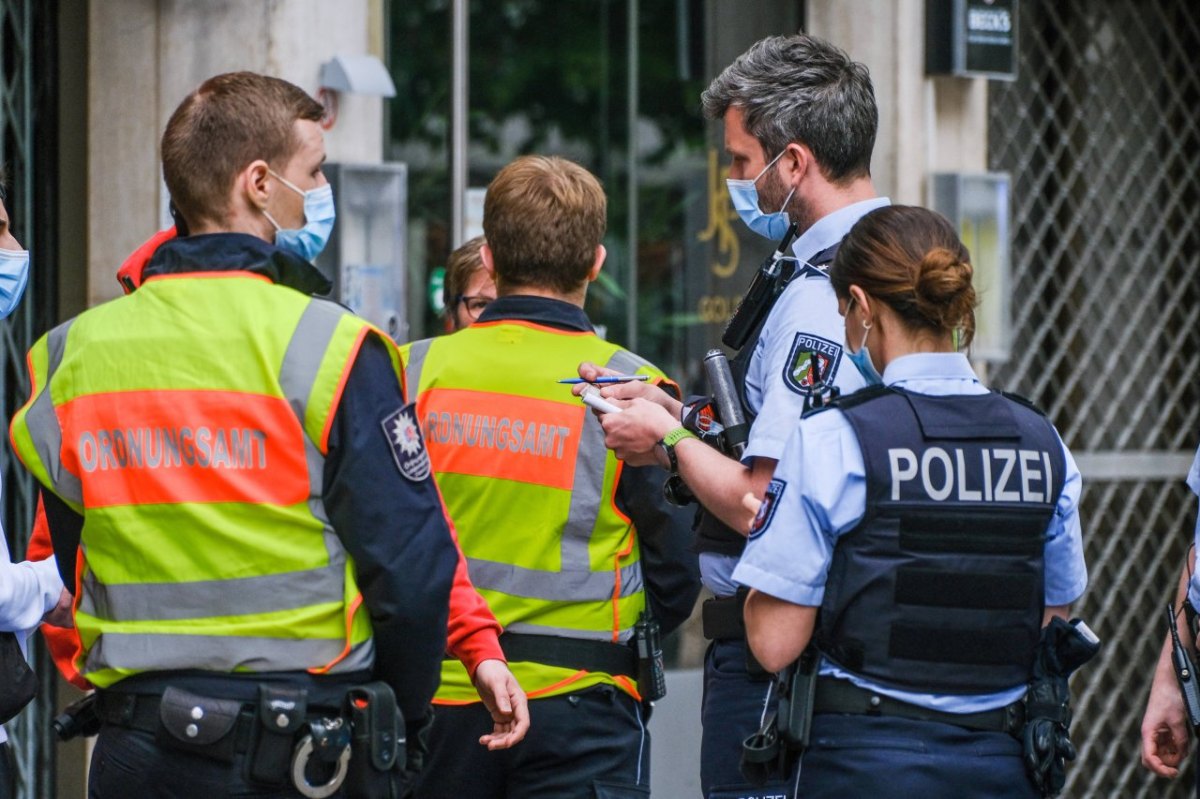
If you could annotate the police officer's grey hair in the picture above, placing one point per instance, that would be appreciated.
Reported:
(802, 89)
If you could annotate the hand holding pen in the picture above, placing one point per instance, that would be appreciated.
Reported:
(605, 379)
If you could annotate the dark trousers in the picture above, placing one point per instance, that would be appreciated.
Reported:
(591, 744)
(881, 757)
(731, 711)
(8, 772)
(128, 763)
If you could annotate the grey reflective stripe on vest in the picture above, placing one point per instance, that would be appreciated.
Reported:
(576, 582)
(160, 652)
(43, 424)
(236, 597)
(568, 632)
(553, 586)
(297, 376)
(587, 488)
(412, 368)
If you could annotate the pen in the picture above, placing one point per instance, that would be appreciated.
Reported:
(606, 379)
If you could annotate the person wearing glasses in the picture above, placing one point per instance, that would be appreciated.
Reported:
(469, 287)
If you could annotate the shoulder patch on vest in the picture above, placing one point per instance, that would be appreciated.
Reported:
(766, 511)
(403, 435)
(806, 351)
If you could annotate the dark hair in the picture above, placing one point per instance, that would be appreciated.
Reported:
(802, 89)
(911, 259)
(460, 266)
(220, 128)
(544, 217)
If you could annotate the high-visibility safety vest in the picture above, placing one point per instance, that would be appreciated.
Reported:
(188, 423)
(530, 487)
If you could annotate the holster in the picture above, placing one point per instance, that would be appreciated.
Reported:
(281, 713)
(722, 618)
(796, 701)
(784, 734)
(378, 748)
(198, 724)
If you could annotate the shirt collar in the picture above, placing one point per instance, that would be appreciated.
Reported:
(539, 310)
(832, 228)
(229, 252)
(929, 366)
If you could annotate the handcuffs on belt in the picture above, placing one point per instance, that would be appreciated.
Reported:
(328, 740)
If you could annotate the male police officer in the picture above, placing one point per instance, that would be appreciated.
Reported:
(234, 463)
(569, 548)
(800, 121)
(1165, 736)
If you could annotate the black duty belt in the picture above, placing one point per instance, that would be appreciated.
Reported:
(570, 653)
(721, 617)
(141, 712)
(840, 696)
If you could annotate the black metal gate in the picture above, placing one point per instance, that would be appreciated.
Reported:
(1101, 133)
(28, 152)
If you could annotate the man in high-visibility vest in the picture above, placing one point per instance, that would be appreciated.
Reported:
(236, 490)
(570, 549)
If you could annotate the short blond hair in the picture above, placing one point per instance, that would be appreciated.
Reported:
(543, 218)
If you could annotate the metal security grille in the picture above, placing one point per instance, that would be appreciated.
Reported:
(29, 734)
(1101, 134)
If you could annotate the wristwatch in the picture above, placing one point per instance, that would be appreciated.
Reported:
(668, 443)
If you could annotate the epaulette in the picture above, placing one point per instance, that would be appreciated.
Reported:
(852, 400)
(1017, 398)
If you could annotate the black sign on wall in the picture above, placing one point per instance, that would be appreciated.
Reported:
(971, 38)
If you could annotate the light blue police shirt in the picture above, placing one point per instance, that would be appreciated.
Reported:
(805, 316)
(1193, 481)
(825, 495)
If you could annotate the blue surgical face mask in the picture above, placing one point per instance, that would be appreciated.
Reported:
(14, 275)
(319, 213)
(862, 359)
(744, 195)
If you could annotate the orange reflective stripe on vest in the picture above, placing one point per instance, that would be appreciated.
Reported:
(499, 435)
(148, 447)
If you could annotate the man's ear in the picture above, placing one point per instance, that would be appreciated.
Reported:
(489, 264)
(253, 182)
(598, 264)
(795, 163)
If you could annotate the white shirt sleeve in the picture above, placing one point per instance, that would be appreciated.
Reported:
(805, 319)
(1065, 569)
(27, 591)
(819, 492)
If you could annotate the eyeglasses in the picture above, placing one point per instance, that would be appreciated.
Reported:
(473, 303)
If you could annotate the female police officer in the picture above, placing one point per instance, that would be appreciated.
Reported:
(932, 524)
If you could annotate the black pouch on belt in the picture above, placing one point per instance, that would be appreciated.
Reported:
(281, 712)
(198, 724)
(377, 749)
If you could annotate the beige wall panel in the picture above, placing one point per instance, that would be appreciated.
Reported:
(146, 55)
(925, 124)
(122, 136)
(307, 33)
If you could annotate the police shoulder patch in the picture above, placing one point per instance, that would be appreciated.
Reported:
(403, 436)
(809, 351)
(766, 511)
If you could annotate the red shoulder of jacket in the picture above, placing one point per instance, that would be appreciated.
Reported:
(130, 273)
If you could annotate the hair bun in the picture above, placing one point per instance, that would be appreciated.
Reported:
(942, 288)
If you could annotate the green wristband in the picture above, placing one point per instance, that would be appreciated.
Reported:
(668, 443)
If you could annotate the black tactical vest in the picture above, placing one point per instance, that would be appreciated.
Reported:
(940, 587)
(712, 534)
